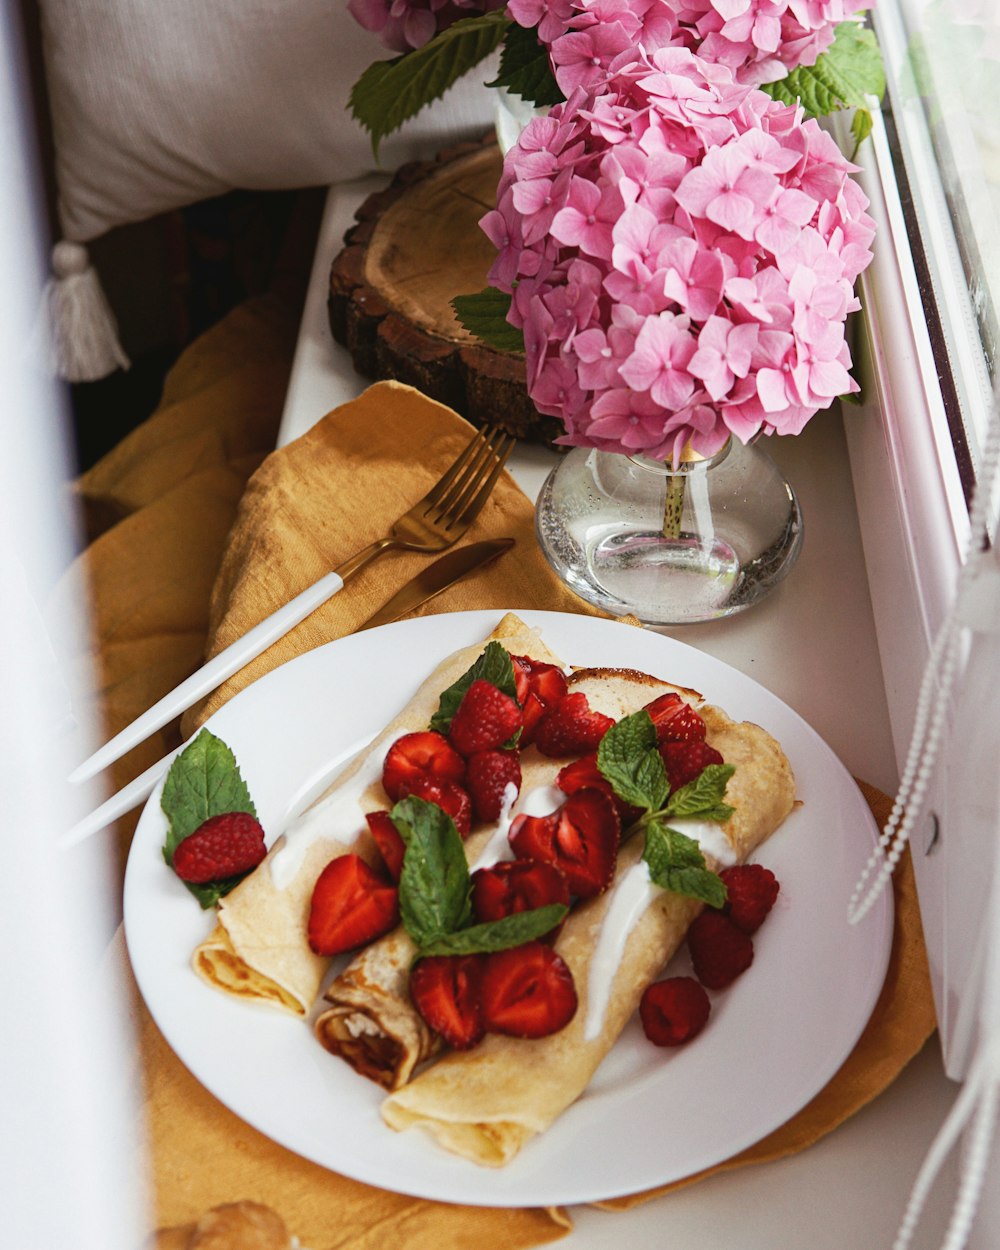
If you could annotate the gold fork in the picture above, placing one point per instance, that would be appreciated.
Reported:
(449, 507)
(433, 524)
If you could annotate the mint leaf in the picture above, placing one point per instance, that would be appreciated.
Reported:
(494, 666)
(390, 92)
(434, 883)
(498, 935)
(204, 780)
(677, 864)
(525, 68)
(628, 758)
(484, 314)
(702, 798)
(844, 76)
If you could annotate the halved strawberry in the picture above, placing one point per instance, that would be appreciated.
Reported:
(674, 1011)
(539, 687)
(351, 904)
(752, 890)
(675, 720)
(580, 838)
(388, 840)
(486, 718)
(223, 846)
(445, 989)
(719, 951)
(415, 754)
(487, 776)
(583, 774)
(571, 727)
(448, 795)
(527, 991)
(517, 885)
(686, 760)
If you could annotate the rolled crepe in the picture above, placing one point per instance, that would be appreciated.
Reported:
(259, 948)
(371, 1021)
(484, 1104)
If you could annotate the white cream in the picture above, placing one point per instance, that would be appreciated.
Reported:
(541, 801)
(340, 815)
(630, 896)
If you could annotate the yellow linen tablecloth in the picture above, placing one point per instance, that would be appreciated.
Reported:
(198, 533)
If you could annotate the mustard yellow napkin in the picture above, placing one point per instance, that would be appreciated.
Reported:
(177, 485)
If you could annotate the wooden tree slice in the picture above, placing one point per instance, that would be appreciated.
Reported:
(417, 245)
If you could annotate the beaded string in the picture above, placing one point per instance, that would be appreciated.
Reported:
(935, 693)
(975, 1108)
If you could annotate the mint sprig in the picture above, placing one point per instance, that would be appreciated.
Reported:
(435, 890)
(494, 666)
(628, 758)
(204, 781)
(388, 93)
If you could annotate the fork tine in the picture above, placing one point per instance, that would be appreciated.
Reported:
(472, 448)
(451, 502)
(466, 511)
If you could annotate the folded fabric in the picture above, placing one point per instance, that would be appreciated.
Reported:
(176, 483)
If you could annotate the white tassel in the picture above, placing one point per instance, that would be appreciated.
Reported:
(83, 333)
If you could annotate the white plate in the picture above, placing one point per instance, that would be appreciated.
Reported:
(650, 1116)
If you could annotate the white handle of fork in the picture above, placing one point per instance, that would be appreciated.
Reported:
(211, 675)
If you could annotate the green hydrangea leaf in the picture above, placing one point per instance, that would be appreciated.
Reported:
(844, 76)
(484, 314)
(388, 93)
(525, 69)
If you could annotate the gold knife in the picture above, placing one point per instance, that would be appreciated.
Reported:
(438, 576)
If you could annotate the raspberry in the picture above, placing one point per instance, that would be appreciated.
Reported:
(674, 1011)
(487, 776)
(686, 760)
(486, 718)
(719, 951)
(751, 890)
(571, 727)
(222, 847)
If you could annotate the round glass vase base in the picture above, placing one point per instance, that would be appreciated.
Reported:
(631, 536)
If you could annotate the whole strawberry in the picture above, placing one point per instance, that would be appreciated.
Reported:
(719, 951)
(751, 890)
(485, 719)
(223, 846)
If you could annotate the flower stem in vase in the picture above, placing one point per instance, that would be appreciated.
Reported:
(673, 505)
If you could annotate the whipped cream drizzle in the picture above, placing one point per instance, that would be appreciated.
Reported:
(631, 894)
(340, 815)
(540, 801)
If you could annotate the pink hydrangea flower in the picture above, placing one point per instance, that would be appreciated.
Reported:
(405, 24)
(697, 262)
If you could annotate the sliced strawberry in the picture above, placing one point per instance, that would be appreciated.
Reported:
(486, 718)
(527, 991)
(571, 727)
(719, 951)
(351, 904)
(540, 686)
(686, 760)
(515, 886)
(448, 795)
(675, 720)
(583, 774)
(415, 754)
(674, 1011)
(221, 847)
(445, 990)
(580, 838)
(388, 840)
(487, 776)
(751, 890)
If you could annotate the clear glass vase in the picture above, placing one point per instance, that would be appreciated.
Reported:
(671, 546)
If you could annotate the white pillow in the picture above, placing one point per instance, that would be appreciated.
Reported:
(161, 103)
